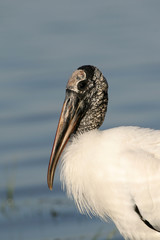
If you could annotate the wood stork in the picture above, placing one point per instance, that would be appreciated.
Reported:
(113, 173)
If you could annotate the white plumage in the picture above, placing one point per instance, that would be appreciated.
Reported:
(113, 173)
(109, 172)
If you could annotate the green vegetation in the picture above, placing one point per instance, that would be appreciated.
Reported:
(110, 236)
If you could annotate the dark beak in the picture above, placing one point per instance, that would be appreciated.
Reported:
(71, 114)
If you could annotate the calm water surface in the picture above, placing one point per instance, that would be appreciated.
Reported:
(42, 42)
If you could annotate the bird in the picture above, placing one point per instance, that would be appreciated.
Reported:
(113, 173)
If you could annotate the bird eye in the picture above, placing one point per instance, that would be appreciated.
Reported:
(82, 85)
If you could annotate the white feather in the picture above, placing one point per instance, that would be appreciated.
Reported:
(109, 172)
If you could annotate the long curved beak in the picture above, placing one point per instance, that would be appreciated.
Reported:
(70, 117)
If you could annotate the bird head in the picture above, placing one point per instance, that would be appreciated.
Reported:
(83, 110)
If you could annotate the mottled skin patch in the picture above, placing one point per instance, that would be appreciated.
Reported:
(94, 95)
(77, 76)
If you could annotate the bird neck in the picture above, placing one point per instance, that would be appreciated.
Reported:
(95, 115)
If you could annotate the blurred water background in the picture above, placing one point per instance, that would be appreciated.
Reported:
(41, 43)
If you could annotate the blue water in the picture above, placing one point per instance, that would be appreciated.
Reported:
(41, 43)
